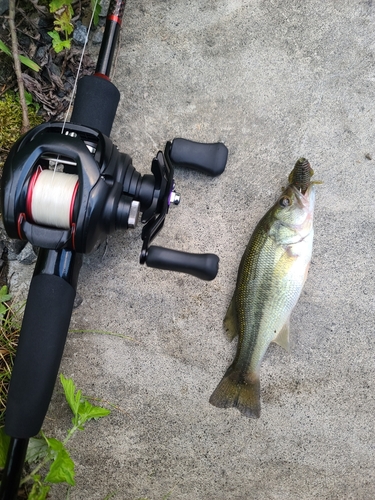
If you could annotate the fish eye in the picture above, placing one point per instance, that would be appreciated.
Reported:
(285, 201)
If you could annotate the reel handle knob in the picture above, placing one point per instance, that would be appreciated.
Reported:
(209, 159)
(202, 266)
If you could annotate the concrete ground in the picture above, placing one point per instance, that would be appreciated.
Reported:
(274, 80)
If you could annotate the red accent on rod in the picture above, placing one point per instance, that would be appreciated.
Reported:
(102, 75)
(115, 19)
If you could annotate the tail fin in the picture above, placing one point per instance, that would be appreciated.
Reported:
(238, 391)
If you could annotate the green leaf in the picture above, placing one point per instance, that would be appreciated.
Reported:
(38, 491)
(87, 411)
(95, 4)
(24, 60)
(4, 444)
(83, 411)
(62, 467)
(30, 102)
(57, 43)
(36, 450)
(56, 5)
(29, 63)
(4, 296)
(73, 398)
(5, 49)
(62, 22)
(28, 98)
(3, 310)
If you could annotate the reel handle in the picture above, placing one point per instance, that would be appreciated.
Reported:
(202, 266)
(209, 159)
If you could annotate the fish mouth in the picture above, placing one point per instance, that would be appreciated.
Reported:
(304, 199)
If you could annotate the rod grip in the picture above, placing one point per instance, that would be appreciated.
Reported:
(41, 344)
(209, 159)
(95, 104)
(202, 266)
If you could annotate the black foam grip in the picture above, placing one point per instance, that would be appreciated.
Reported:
(203, 266)
(96, 103)
(41, 343)
(209, 159)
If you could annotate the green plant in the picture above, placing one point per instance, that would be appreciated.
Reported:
(50, 454)
(9, 331)
(4, 298)
(31, 102)
(11, 120)
(63, 13)
(24, 60)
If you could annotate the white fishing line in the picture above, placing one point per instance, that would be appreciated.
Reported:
(51, 198)
(79, 67)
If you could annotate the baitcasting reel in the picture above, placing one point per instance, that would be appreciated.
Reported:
(67, 186)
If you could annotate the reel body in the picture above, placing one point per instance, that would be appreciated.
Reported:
(108, 194)
(66, 186)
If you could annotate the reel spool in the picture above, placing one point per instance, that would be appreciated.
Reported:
(51, 198)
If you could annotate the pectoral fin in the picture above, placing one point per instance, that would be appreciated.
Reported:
(230, 320)
(282, 338)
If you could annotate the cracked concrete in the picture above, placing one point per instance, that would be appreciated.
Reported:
(274, 81)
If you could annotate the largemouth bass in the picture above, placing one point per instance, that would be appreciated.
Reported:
(270, 279)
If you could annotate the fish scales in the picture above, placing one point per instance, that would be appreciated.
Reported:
(260, 295)
(270, 279)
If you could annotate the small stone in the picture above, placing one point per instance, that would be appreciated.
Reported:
(368, 156)
(14, 248)
(104, 7)
(77, 301)
(68, 86)
(41, 53)
(24, 41)
(80, 33)
(97, 37)
(4, 6)
(27, 255)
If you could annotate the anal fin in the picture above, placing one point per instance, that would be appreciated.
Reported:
(230, 320)
(282, 338)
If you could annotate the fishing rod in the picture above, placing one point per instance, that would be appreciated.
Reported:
(65, 188)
